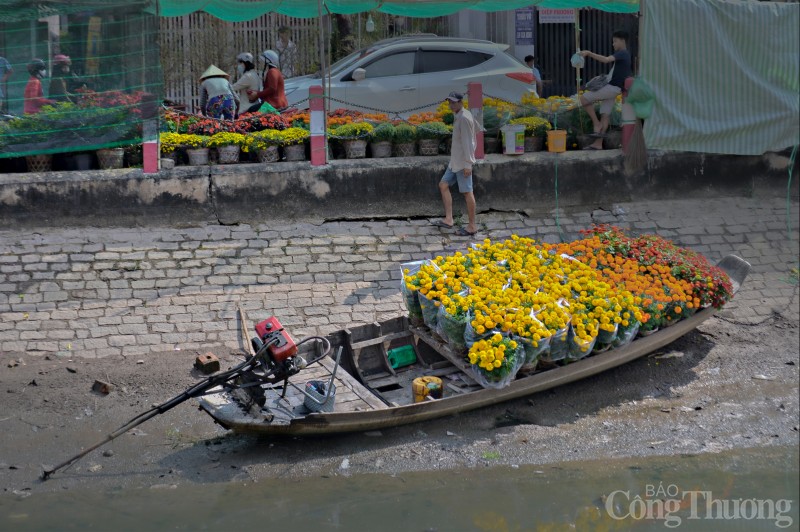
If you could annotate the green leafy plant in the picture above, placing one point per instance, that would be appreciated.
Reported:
(404, 134)
(432, 130)
(494, 118)
(383, 132)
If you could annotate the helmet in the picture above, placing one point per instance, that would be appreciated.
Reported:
(35, 66)
(270, 56)
(245, 57)
(61, 59)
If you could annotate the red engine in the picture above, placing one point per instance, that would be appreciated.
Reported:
(281, 344)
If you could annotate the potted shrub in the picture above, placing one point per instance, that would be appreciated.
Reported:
(196, 149)
(110, 158)
(354, 137)
(405, 136)
(535, 130)
(381, 140)
(293, 141)
(494, 117)
(228, 145)
(265, 144)
(430, 134)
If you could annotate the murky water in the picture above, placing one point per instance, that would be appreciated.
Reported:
(741, 490)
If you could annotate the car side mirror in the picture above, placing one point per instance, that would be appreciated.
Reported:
(359, 74)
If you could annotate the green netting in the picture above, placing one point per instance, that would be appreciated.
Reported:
(242, 10)
(112, 86)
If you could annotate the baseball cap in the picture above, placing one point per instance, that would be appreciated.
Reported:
(455, 97)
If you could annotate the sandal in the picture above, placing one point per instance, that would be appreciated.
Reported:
(462, 231)
(439, 223)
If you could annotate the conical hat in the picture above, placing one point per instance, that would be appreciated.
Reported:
(213, 71)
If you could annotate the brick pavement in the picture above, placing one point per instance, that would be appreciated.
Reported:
(103, 291)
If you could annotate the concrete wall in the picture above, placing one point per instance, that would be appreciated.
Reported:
(380, 188)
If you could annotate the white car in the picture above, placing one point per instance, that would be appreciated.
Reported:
(408, 75)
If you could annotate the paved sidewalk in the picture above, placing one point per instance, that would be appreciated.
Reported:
(100, 292)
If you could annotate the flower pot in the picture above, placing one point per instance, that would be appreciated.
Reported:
(613, 140)
(198, 156)
(647, 333)
(172, 156)
(79, 161)
(295, 152)
(134, 157)
(268, 155)
(429, 147)
(39, 163)
(355, 149)
(534, 144)
(380, 149)
(557, 141)
(111, 159)
(228, 154)
(491, 144)
(405, 149)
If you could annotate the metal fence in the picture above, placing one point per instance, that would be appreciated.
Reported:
(189, 44)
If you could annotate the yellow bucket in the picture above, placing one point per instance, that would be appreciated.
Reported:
(425, 386)
(557, 140)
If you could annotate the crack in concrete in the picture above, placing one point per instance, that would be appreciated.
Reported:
(214, 204)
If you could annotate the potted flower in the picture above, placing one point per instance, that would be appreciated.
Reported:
(170, 142)
(293, 140)
(430, 134)
(535, 130)
(354, 136)
(495, 360)
(228, 145)
(265, 144)
(196, 149)
(381, 140)
(404, 139)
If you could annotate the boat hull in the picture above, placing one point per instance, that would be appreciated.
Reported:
(227, 413)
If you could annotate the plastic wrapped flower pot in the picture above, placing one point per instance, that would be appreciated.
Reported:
(559, 345)
(626, 334)
(430, 312)
(452, 328)
(579, 347)
(534, 350)
(495, 361)
(410, 293)
(605, 337)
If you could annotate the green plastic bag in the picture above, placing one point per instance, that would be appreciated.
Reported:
(267, 109)
(642, 98)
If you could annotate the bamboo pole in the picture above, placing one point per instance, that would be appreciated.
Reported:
(577, 49)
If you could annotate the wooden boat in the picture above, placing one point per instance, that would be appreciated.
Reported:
(370, 394)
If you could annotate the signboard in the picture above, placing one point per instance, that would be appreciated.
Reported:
(556, 16)
(523, 26)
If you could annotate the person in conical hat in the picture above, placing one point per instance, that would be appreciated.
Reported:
(217, 98)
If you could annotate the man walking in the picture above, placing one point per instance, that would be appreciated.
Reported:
(459, 170)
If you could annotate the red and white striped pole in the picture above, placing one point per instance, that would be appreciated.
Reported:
(628, 117)
(150, 138)
(475, 101)
(319, 148)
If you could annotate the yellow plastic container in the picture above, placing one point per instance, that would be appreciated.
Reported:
(425, 386)
(557, 141)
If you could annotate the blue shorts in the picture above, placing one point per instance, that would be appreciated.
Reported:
(464, 182)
